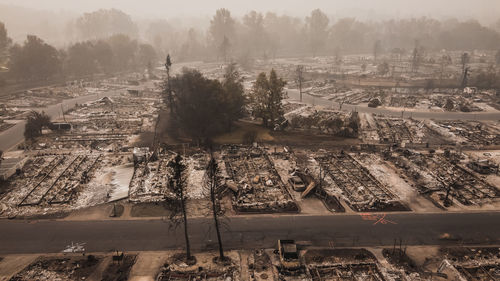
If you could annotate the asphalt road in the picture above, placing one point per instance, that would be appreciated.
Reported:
(483, 116)
(14, 135)
(251, 232)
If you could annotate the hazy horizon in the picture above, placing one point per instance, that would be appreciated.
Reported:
(485, 11)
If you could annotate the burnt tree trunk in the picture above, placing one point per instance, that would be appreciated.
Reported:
(216, 221)
(186, 236)
(213, 185)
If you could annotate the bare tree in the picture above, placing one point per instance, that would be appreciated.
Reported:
(300, 78)
(213, 185)
(377, 48)
(179, 214)
(170, 98)
(415, 60)
(444, 61)
(465, 59)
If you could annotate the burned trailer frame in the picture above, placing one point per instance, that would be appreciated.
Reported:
(361, 189)
(358, 271)
(81, 175)
(59, 184)
(461, 184)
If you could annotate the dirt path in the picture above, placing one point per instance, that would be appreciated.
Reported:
(147, 266)
(244, 265)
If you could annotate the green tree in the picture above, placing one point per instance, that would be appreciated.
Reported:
(103, 54)
(205, 107)
(317, 29)
(35, 60)
(124, 51)
(256, 33)
(81, 59)
(222, 29)
(146, 55)
(233, 99)
(35, 122)
(266, 98)
(105, 23)
(5, 42)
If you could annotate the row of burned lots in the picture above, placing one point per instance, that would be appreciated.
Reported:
(108, 123)
(257, 185)
(446, 178)
(50, 182)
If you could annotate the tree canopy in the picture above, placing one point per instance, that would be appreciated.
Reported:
(5, 42)
(317, 28)
(204, 107)
(34, 60)
(222, 29)
(105, 23)
(266, 97)
(35, 123)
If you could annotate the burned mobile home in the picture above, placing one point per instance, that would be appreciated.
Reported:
(259, 187)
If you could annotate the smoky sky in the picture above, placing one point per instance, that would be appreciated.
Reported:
(482, 10)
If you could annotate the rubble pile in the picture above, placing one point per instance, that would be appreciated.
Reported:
(207, 267)
(105, 124)
(259, 186)
(151, 180)
(406, 131)
(337, 264)
(62, 268)
(325, 121)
